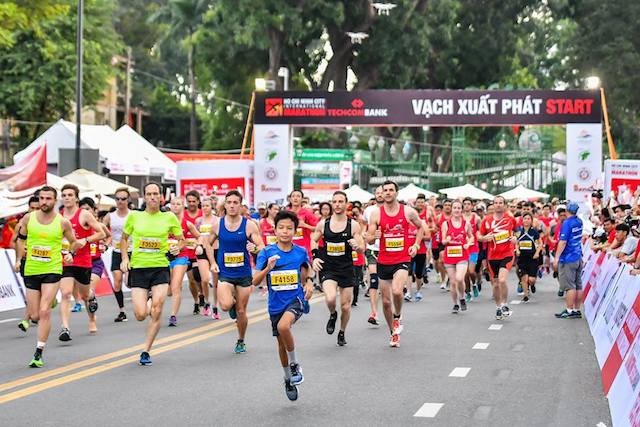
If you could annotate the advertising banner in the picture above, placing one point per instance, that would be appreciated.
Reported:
(11, 289)
(273, 177)
(215, 177)
(428, 107)
(622, 177)
(584, 161)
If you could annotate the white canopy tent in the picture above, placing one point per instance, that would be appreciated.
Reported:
(466, 190)
(411, 191)
(159, 163)
(97, 184)
(523, 193)
(356, 193)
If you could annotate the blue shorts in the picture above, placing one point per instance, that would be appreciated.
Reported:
(295, 307)
(473, 258)
(181, 260)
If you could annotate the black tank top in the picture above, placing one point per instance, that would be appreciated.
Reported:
(337, 251)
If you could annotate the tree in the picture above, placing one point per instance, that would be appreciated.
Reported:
(38, 76)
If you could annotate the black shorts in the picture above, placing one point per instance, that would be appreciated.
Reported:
(203, 256)
(294, 307)
(345, 278)
(146, 278)
(528, 266)
(243, 282)
(22, 262)
(417, 265)
(81, 275)
(193, 267)
(35, 282)
(496, 264)
(386, 272)
(436, 251)
(116, 260)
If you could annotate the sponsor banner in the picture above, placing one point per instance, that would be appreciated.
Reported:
(212, 186)
(346, 174)
(624, 394)
(273, 170)
(622, 177)
(428, 107)
(599, 288)
(215, 177)
(584, 161)
(11, 288)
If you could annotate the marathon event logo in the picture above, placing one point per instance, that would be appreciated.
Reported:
(429, 107)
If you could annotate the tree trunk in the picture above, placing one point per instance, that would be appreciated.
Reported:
(276, 42)
(193, 123)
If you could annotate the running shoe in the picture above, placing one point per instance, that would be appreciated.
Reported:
(296, 374)
(173, 321)
(525, 299)
(579, 312)
(23, 325)
(216, 316)
(448, 286)
(395, 341)
(564, 314)
(520, 291)
(575, 314)
(455, 309)
(498, 314)
(479, 286)
(442, 286)
(476, 291)
(196, 309)
(37, 361)
(354, 304)
(419, 296)
(468, 297)
(207, 310)
(540, 273)
(397, 326)
(407, 297)
(240, 348)
(92, 304)
(122, 317)
(463, 305)
(331, 324)
(372, 319)
(65, 335)
(555, 274)
(533, 288)
(560, 294)
(506, 312)
(145, 359)
(341, 341)
(232, 312)
(77, 308)
(290, 390)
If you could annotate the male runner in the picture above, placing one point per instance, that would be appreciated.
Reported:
(43, 231)
(148, 266)
(115, 222)
(498, 231)
(196, 284)
(390, 223)
(334, 261)
(237, 237)
(284, 266)
(87, 230)
(418, 262)
(372, 259)
(307, 222)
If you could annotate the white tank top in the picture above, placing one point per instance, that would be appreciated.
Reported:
(117, 226)
(367, 216)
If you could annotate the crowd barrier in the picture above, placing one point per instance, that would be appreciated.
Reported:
(12, 290)
(612, 311)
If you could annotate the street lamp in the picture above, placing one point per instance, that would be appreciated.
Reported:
(593, 82)
(284, 73)
(261, 84)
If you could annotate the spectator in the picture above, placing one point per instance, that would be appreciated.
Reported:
(627, 243)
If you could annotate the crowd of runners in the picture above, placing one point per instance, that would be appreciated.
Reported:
(338, 248)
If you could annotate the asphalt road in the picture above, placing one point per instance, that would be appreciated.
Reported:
(535, 371)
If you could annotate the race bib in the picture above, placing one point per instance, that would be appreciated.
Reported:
(271, 240)
(501, 236)
(354, 256)
(149, 245)
(526, 245)
(205, 229)
(234, 259)
(394, 244)
(298, 235)
(454, 251)
(191, 243)
(284, 280)
(40, 253)
(94, 249)
(335, 249)
(65, 246)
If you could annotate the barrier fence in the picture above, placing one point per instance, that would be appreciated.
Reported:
(612, 310)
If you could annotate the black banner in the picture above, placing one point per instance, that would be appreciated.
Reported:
(428, 108)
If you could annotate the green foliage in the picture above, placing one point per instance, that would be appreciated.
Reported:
(168, 121)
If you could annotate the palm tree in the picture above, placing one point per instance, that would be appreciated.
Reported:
(183, 18)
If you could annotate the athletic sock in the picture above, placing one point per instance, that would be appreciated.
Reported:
(40, 345)
(292, 356)
(287, 372)
(119, 299)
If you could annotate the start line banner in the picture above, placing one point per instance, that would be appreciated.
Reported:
(612, 310)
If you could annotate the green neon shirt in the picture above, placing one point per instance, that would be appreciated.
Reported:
(149, 233)
(44, 247)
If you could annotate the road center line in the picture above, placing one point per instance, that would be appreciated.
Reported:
(480, 346)
(429, 410)
(9, 320)
(460, 372)
(495, 327)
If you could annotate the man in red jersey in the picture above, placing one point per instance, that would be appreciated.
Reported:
(307, 222)
(497, 230)
(390, 224)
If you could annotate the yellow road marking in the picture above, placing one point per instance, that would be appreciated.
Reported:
(216, 329)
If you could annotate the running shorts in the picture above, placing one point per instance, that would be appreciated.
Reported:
(295, 307)
(496, 264)
(344, 279)
(146, 278)
(81, 275)
(386, 272)
(35, 282)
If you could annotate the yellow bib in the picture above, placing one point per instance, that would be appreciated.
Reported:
(335, 249)
(149, 244)
(234, 259)
(501, 237)
(284, 280)
(454, 251)
(40, 253)
(394, 244)
(526, 245)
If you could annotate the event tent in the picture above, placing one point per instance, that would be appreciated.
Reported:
(466, 190)
(356, 193)
(97, 184)
(411, 191)
(159, 163)
(523, 193)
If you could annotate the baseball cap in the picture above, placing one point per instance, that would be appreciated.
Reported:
(262, 205)
(572, 207)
